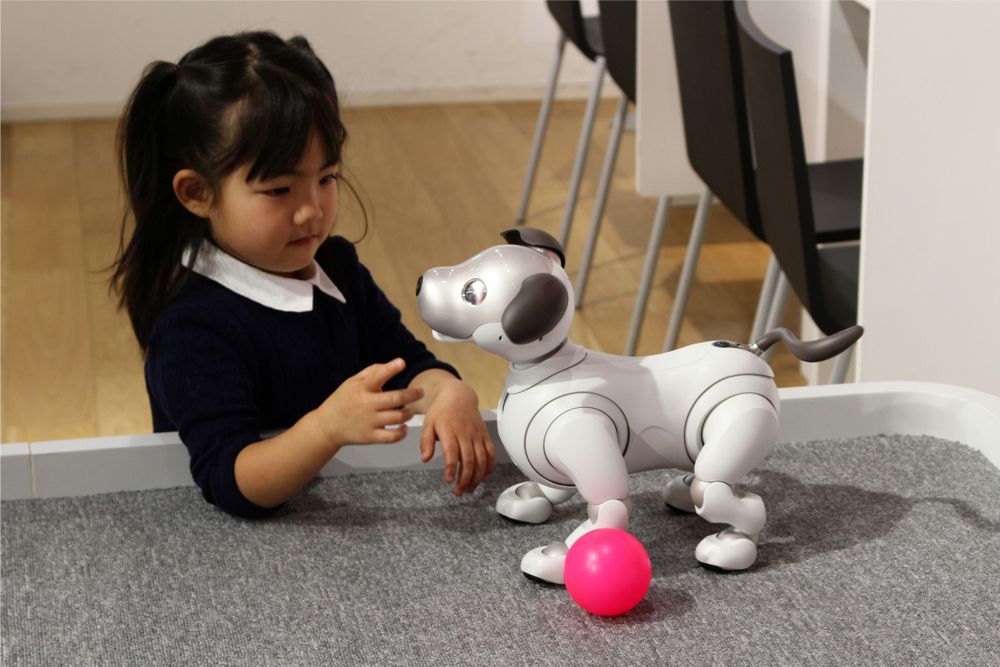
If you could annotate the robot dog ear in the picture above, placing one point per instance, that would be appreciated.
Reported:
(535, 238)
(536, 310)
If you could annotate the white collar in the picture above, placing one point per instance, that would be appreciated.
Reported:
(292, 295)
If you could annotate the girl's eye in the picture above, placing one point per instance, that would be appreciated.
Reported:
(276, 192)
(330, 178)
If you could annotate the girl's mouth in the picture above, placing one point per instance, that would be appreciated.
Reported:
(304, 241)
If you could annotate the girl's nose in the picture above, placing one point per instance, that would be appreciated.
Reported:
(309, 210)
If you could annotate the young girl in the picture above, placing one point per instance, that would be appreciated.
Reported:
(252, 317)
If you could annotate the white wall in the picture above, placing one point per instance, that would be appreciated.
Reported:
(930, 231)
(72, 59)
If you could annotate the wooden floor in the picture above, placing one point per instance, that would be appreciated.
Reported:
(439, 183)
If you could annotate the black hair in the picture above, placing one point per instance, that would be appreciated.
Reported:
(247, 99)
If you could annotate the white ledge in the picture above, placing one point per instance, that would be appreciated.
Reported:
(828, 412)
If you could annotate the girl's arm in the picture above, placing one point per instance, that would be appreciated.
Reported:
(452, 416)
(271, 471)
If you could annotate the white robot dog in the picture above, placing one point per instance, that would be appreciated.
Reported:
(573, 419)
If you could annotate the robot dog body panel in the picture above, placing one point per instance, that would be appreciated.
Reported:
(656, 405)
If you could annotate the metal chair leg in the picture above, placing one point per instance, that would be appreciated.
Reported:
(777, 312)
(607, 171)
(648, 270)
(766, 297)
(581, 150)
(543, 122)
(840, 366)
(687, 274)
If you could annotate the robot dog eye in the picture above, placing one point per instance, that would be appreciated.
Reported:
(474, 292)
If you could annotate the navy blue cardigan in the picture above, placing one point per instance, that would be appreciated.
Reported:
(222, 369)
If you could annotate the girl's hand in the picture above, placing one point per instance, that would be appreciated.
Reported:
(453, 418)
(359, 412)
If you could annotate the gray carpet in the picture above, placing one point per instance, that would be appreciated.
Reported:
(877, 551)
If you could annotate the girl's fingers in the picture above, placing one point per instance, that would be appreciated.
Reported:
(449, 450)
(394, 399)
(393, 417)
(491, 455)
(468, 466)
(388, 436)
(426, 443)
(377, 375)
(482, 464)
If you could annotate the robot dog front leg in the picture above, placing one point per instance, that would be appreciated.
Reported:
(583, 445)
(738, 434)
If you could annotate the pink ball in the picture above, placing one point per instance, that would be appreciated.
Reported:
(607, 571)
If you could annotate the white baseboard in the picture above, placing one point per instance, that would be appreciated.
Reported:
(29, 113)
(123, 463)
(87, 466)
(41, 113)
(387, 98)
(16, 478)
(95, 465)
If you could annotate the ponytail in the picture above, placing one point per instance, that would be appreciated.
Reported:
(148, 272)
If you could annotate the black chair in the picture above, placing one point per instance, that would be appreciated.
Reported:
(794, 199)
(618, 26)
(585, 33)
(717, 137)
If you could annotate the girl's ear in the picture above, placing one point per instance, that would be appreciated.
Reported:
(192, 192)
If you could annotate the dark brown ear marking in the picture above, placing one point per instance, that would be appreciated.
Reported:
(536, 309)
(534, 238)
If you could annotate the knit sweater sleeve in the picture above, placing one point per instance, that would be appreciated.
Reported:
(384, 336)
(197, 376)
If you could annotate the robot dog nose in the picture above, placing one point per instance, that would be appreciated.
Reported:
(420, 283)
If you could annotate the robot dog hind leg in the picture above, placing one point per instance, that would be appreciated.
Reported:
(738, 434)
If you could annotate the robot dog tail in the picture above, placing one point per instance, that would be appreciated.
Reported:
(813, 350)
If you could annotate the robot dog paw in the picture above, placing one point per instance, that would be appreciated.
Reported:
(545, 564)
(677, 493)
(525, 503)
(727, 550)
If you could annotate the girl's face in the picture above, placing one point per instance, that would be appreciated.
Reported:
(277, 224)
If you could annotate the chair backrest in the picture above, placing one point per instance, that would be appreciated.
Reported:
(783, 192)
(569, 15)
(713, 104)
(618, 32)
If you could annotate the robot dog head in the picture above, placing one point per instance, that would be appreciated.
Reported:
(513, 300)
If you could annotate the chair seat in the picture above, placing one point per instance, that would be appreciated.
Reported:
(838, 268)
(836, 199)
(592, 30)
